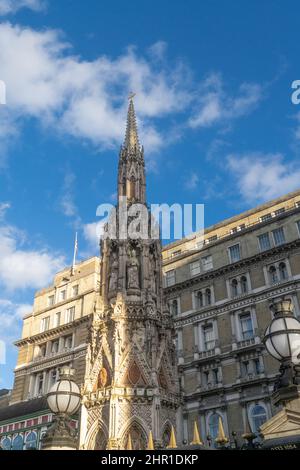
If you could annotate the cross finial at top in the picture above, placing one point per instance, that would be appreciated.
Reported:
(131, 95)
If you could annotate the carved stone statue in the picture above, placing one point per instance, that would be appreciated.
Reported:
(113, 278)
(153, 273)
(133, 281)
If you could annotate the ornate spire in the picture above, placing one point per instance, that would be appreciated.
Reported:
(221, 438)
(131, 137)
(196, 437)
(172, 443)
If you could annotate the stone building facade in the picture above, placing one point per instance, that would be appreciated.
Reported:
(54, 335)
(108, 319)
(220, 294)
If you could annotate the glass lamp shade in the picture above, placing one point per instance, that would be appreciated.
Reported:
(64, 397)
(282, 338)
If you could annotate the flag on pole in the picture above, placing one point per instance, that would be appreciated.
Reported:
(75, 253)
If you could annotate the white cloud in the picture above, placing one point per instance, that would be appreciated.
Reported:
(191, 181)
(261, 177)
(85, 98)
(12, 6)
(3, 208)
(11, 315)
(24, 268)
(67, 203)
(216, 106)
(91, 233)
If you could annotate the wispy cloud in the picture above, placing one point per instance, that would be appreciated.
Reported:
(214, 105)
(86, 98)
(191, 181)
(260, 177)
(11, 315)
(67, 202)
(21, 266)
(12, 6)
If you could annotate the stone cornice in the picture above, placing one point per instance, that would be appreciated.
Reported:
(51, 362)
(49, 334)
(232, 268)
(63, 302)
(241, 303)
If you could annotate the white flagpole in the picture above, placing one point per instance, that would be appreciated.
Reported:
(75, 253)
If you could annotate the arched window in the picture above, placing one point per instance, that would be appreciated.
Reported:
(174, 307)
(31, 440)
(283, 271)
(18, 443)
(166, 436)
(258, 416)
(273, 275)
(137, 436)
(234, 288)
(213, 425)
(208, 296)
(244, 285)
(6, 443)
(199, 298)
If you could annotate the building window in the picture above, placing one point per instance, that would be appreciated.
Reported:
(170, 278)
(265, 217)
(209, 337)
(264, 242)
(283, 274)
(234, 253)
(62, 295)
(246, 326)
(199, 299)
(18, 443)
(75, 290)
(212, 239)
(68, 341)
(245, 368)
(45, 324)
(42, 350)
(273, 275)
(174, 307)
(278, 236)
(54, 346)
(208, 297)
(258, 416)
(6, 443)
(213, 425)
(206, 378)
(279, 211)
(244, 285)
(50, 300)
(57, 318)
(257, 367)
(176, 253)
(195, 268)
(216, 376)
(53, 377)
(70, 314)
(298, 226)
(207, 263)
(31, 441)
(234, 288)
(40, 384)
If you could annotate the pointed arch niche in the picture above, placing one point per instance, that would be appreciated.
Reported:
(138, 436)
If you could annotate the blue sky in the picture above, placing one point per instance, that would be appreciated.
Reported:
(213, 84)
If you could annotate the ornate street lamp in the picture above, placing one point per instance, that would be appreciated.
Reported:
(63, 400)
(282, 341)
